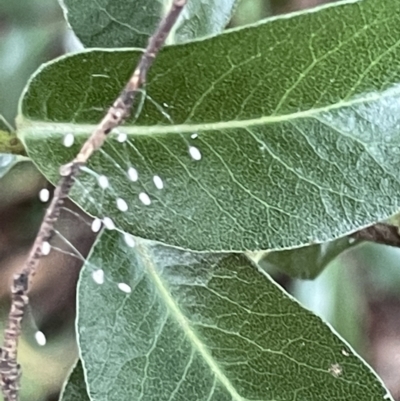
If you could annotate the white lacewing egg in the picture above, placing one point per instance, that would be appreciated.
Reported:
(122, 205)
(194, 153)
(122, 137)
(125, 288)
(144, 198)
(108, 223)
(103, 181)
(158, 182)
(46, 248)
(98, 276)
(68, 140)
(44, 195)
(96, 225)
(133, 174)
(40, 338)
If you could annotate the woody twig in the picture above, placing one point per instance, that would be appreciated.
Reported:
(380, 233)
(118, 112)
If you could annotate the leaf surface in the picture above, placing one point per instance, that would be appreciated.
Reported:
(205, 327)
(121, 23)
(306, 262)
(269, 137)
(75, 387)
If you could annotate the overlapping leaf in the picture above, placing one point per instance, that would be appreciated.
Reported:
(205, 327)
(121, 23)
(75, 387)
(305, 262)
(296, 122)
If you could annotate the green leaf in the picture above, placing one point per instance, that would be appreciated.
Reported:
(204, 327)
(337, 296)
(22, 50)
(203, 18)
(75, 387)
(250, 11)
(306, 262)
(296, 121)
(119, 23)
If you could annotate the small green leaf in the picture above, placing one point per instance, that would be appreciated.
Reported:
(296, 121)
(306, 262)
(75, 387)
(203, 18)
(164, 324)
(22, 50)
(121, 23)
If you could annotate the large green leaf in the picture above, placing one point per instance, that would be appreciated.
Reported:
(121, 23)
(296, 121)
(204, 327)
(75, 387)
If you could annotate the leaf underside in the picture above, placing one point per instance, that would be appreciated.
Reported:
(306, 262)
(75, 388)
(121, 23)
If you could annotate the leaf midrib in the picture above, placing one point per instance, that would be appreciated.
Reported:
(42, 128)
(183, 322)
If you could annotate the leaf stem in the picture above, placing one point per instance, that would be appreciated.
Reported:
(380, 233)
(9, 143)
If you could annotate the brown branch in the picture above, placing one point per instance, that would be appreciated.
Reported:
(118, 112)
(381, 233)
